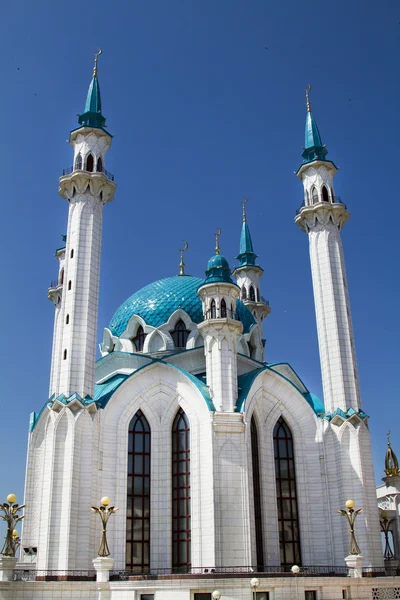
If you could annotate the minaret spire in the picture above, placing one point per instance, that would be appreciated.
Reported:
(391, 463)
(92, 115)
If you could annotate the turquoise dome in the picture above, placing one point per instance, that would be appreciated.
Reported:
(156, 302)
(218, 270)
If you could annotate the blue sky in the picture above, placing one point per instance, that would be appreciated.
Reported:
(206, 101)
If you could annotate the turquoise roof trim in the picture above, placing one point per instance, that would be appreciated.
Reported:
(156, 302)
(104, 391)
(246, 381)
(246, 256)
(91, 116)
(313, 147)
(345, 415)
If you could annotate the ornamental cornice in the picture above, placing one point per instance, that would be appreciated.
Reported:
(80, 181)
(323, 214)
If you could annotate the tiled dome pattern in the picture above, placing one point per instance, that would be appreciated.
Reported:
(156, 302)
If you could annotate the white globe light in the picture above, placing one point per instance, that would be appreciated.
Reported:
(295, 570)
(216, 595)
(255, 582)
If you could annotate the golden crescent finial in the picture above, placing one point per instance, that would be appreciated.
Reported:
(388, 436)
(217, 249)
(96, 57)
(307, 98)
(245, 201)
(182, 264)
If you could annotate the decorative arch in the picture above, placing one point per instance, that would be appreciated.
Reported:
(89, 162)
(138, 494)
(223, 309)
(314, 195)
(325, 195)
(180, 334)
(213, 309)
(139, 339)
(252, 294)
(99, 167)
(244, 293)
(78, 162)
(286, 494)
(181, 496)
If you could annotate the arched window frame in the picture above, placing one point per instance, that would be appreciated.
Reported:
(90, 163)
(181, 494)
(180, 334)
(213, 309)
(286, 493)
(223, 310)
(252, 295)
(244, 293)
(137, 556)
(62, 277)
(139, 339)
(78, 162)
(325, 194)
(257, 492)
(314, 195)
(258, 294)
(99, 166)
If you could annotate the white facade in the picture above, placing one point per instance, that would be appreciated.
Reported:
(269, 464)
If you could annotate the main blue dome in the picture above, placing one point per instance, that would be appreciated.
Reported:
(156, 302)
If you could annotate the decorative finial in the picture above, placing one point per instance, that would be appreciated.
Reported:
(96, 57)
(182, 264)
(217, 240)
(388, 436)
(245, 201)
(308, 99)
(391, 463)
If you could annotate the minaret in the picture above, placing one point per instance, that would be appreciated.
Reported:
(248, 274)
(322, 216)
(220, 331)
(88, 187)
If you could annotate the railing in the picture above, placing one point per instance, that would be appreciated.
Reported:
(202, 573)
(70, 170)
(54, 284)
(264, 300)
(218, 314)
(335, 200)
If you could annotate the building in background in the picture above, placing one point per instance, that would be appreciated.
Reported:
(223, 463)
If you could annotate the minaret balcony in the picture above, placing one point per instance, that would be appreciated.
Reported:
(317, 202)
(322, 212)
(54, 292)
(70, 170)
(224, 314)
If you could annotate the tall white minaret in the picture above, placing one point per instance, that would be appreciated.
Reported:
(220, 331)
(88, 187)
(322, 215)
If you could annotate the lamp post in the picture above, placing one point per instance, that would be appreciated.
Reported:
(216, 595)
(254, 583)
(105, 513)
(351, 515)
(11, 516)
(385, 527)
(296, 570)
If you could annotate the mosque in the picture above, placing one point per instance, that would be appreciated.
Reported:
(226, 469)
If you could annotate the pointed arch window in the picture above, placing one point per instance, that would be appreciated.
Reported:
(244, 293)
(89, 163)
(223, 309)
(213, 309)
(138, 494)
(285, 474)
(180, 334)
(78, 162)
(314, 195)
(181, 499)
(99, 167)
(258, 294)
(62, 277)
(325, 195)
(138, 340)
(257, 493)
(252, 294)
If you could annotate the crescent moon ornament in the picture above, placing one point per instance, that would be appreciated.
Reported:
(96, 56)
(245, 201)
(308, 99)
(217, 249)
(182, 264)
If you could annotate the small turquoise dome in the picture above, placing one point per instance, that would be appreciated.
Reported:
(218, 270)
(156, 302)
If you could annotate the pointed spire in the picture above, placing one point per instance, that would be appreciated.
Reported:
(246, 256)
(391, 462)
(313, 147)
(92, 117)
(182, 264)
(218, 269)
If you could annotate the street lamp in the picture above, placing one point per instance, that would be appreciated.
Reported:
(296, 570)
(105, 513)
(254, 585)
(216, 595)
(351, 515)
(10, 509)
(385, 528)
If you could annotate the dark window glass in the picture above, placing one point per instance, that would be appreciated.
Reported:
(78, 162)
(289, 539)
(325, 195)
(223, 309)
(244, 293)
(138, 340)
(314, 195)
(181, 502)
(252, 294)
(146, 596)
(257, 493)
(69, 284)
(138, 495)
(62, 277)
(213, 309)
(67, 320)
(202, 596)
(65, 354)
(72, 253)
(89, 163)
(258, 294)
(310, 595)
(180, 334)
(99, 165)
(262, 596)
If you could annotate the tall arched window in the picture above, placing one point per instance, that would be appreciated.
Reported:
(181, 502)
(138, 340)
(223, 309)
(252, 294)
(78, 162)
(314, 195)
(213, 309)
(258, 294)
(289, 536)
(180, 334)
(89, 163)
(325, 195)
(138, 495)
(257, 493)
(99, 167)
(62, 277)
(244, 293)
